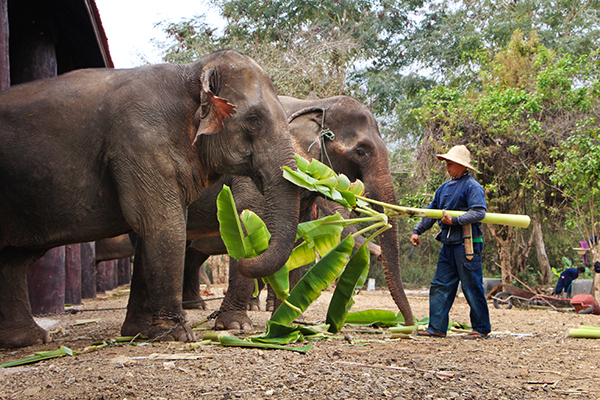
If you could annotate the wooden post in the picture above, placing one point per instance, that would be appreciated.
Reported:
(73, 274)
(124, 271)
(46, 283)
(101, 272)
(4, 53)
(88, 270)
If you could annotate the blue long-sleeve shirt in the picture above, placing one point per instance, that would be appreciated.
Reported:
(461, 194)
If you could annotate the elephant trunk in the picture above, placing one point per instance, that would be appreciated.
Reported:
(282, 200)
(380, 187)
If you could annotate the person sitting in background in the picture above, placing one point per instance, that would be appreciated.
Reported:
(566, 278)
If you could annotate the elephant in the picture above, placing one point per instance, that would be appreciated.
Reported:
(356, 149)
(96, 153)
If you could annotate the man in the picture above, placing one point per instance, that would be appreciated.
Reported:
(460, 256)
(566, 278)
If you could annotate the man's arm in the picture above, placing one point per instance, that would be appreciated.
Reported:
(475, 214)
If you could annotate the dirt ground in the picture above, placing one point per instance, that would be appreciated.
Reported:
(528, 356)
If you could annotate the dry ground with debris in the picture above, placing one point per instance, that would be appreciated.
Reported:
(528, 356)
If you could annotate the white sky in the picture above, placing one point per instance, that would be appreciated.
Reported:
(129, 26)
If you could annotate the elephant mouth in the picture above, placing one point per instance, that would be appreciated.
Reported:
(211, 179)
(258, 181)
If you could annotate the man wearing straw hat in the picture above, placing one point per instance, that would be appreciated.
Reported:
(460, 256)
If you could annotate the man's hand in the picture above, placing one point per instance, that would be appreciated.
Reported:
(447, 219)
(415, 240)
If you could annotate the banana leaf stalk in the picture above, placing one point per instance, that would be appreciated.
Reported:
(521, 221)
(586, 332)
(39, 356)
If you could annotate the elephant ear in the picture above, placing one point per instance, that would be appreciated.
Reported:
(305, 127)
(213, 109)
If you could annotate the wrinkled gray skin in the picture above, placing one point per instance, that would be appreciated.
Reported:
(97, 153)
(357, 151)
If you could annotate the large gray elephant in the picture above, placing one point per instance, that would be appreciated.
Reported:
(99, 152)
(356, 149)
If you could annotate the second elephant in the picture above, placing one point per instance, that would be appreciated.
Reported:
(340, 132)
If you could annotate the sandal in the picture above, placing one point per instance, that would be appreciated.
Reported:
(475, 335)
(430, 333)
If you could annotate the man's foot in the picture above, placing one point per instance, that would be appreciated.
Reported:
(430, 333)
(475, 335)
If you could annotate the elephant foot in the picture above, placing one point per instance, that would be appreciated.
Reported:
(233, 320)
(173, 328)
(254, 304)
(196, 304)
(270, 305)
(163, 328)
(25, 333)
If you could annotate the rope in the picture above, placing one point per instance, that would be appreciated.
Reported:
(325, 133)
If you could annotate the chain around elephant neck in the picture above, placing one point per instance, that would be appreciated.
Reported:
(325, 133)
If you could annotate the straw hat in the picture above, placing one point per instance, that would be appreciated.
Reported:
(460, 155)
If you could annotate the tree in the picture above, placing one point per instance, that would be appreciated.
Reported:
(577, 175)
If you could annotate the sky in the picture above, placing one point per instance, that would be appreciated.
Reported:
(130, 26)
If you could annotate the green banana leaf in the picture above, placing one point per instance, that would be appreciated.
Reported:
(331, 224)
(280, 282)
(258, 234)
(317, 279)
(276, 330)
(288, 338)
(374, 317)
(230, 226)
(234, 341)
(323, 234)
(39, 356)
(342, 301)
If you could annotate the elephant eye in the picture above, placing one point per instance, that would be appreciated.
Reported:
(252, 123)
(361, 152)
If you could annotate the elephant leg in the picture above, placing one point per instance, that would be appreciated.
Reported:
(18, 327)
(194, 263)
(270, 299)
(254, 303)
(143, 316)
(233, 314)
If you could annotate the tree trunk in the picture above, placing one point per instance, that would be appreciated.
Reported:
(504, 249)
(219, 267)
(540, 249)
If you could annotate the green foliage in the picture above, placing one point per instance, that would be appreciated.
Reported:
(577, 174)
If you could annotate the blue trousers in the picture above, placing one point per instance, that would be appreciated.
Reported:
(453, 267)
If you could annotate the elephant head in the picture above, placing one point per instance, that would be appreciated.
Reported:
(342, 133)
(237, 96)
